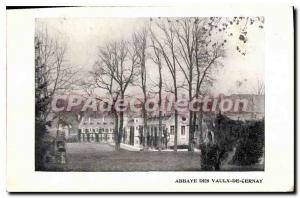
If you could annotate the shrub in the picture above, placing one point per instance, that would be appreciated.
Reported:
(247, 138)
(250, 147)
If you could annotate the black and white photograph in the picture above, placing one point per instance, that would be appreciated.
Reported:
(149, 94)
(150, 99)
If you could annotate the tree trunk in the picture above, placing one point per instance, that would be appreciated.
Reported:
(145, 132)
(191, 130)
(160, 131)
(120, 129)
(145, 122)
(117, 143)
(200, 127)
(191, 113)
(160, 114)
(194, 128)
(120, 135)
(176, 118)
(176, 131)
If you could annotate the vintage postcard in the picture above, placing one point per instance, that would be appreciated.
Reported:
(150, 99)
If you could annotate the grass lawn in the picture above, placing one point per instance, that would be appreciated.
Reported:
(100, 157)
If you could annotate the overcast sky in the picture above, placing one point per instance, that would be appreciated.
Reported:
(84, 35)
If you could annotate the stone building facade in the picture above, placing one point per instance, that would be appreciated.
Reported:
(101, 129)
(96, 130)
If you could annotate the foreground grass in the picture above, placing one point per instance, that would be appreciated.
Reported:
(101, 157)
(95, 157)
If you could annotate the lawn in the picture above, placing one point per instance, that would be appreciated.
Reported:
(102, 157)
(99, 157)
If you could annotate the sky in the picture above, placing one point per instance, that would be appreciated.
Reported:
(83, 36)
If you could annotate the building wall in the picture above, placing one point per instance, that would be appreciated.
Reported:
(96, 130)
(133, 126)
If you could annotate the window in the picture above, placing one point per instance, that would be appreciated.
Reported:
(172, 130)
(182, 130)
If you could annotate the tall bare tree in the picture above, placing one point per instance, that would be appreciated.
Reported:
(119, 66)
(157, 59)
(140, 47)
(259, 88)
(103, 79)
(164, 37)
(215, 33)
(53, 76)
(57, 75)
(195, 46)
(186, 30)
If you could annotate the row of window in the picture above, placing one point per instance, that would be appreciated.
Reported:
(182, 131)
(98, 130)
(172, 130)
(91, 123)
(93, 137)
